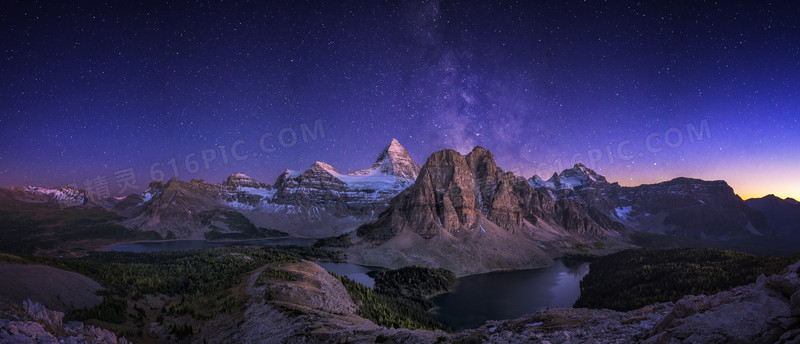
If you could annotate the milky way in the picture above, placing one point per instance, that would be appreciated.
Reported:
(641, 92)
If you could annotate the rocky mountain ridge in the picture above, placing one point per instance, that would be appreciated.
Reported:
(470, 203)
(684, 207)
(782, 214)
(466, 214)
(64, 196)
(317, 202)
(455, 194)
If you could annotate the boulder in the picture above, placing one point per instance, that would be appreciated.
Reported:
(794, 304)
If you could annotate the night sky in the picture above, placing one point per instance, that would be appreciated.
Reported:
(641, 92)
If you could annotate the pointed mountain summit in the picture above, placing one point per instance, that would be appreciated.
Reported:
(393, 160)
(582, 174)
(579, 176)
(323, 166)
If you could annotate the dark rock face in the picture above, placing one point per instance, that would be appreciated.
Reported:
(693, 208)
(128, 202)
(795, 304)
(500, 201)
(442, 198)
(783, 214)
(39, 325)
(174, 208)
(683, 207)
(577, 218)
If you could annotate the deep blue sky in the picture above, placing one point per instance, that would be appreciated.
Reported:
(88, 90)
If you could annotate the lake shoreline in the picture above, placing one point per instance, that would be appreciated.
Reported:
(509, 294)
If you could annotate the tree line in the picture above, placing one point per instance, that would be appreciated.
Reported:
(634, 278)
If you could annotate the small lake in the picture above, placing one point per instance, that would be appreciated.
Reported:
(509, 295)
(354, 272)
(180, 245)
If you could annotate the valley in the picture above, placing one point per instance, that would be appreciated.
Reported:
(456, 250)
(399, 172)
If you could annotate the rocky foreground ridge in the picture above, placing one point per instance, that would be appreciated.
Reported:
(767, 311)
(34, 323)
(316, 308)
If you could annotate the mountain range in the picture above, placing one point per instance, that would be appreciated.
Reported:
(457, 211)
(783, 214)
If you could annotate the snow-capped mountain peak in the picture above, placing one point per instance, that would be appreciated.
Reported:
(393, 160)
(396, 148)
(537, 182)
(582, 174)
(578, 176)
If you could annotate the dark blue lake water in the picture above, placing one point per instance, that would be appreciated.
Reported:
(511, 294)
(354, 272)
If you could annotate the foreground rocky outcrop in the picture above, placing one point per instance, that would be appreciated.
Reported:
(313, 307)
(34, 323)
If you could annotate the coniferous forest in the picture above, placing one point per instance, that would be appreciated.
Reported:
(635, 278)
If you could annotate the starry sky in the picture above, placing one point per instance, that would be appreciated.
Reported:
(123, 93)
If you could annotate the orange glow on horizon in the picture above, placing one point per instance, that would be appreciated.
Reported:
(755, 184)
